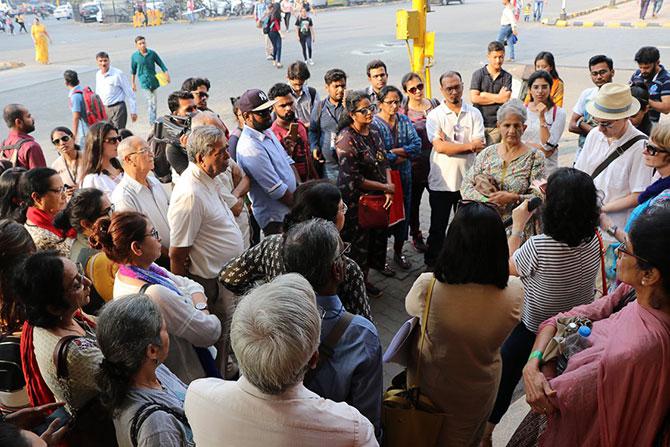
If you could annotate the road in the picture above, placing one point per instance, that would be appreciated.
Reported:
(230, 53)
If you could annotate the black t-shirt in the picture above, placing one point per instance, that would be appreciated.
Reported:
(303, 26)
(482, 81)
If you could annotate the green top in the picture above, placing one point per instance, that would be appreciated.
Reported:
(144, 66)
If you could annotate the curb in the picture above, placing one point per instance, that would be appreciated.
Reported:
(600, 24)
(574, 15)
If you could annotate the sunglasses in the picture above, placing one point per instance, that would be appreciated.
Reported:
(112, 140)
(604, 124)
(417, 88)
(652, 149)
(265, 112)
(201, 94)
(623, 249)
(392, 103)
(366, 110)
(63, 139)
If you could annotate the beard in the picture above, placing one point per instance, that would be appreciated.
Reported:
(289, 117)
(29, 128)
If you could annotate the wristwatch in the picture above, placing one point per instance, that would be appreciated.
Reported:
(612, 230)
(200, 306)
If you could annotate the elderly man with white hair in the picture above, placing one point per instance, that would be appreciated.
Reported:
(139, 191)
(235, 181)
(275, 335)
(203, 232)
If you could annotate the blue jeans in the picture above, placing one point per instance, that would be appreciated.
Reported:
(537, 11)
(150, 95)
(275, 38)
(505, 34)
(657, 6)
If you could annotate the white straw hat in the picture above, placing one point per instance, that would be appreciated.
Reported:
(613, 102)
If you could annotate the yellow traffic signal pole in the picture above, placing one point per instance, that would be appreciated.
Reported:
(412, 25)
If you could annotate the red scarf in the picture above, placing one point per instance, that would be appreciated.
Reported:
(38, 391)
(46, 221)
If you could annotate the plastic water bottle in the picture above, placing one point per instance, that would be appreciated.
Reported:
(574, 343)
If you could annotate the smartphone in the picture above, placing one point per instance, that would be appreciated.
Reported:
(293, 130)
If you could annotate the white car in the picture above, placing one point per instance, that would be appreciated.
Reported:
(63, 12)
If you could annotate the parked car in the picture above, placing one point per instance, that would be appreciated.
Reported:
(63, 12)
(90, 12)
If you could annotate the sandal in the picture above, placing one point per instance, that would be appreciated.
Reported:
(387, 271)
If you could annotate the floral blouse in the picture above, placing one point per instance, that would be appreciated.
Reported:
(516, 176)
(264, 261)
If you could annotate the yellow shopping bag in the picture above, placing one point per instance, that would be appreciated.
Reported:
(162, 79)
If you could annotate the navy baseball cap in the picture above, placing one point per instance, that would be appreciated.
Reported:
(254, 101)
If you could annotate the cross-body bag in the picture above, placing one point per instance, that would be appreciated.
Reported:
(618, 152)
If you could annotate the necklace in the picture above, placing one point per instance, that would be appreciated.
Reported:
(72, 176)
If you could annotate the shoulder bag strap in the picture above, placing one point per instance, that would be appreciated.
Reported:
(603, 271)
(146, 410)
(327, 346)
(616, 154)
(143, 289)
(15, 155)
(424, 327)
(60, 356)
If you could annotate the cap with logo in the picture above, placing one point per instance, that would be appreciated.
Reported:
(254, 101)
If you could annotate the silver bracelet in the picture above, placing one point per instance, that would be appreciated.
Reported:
(518, 234)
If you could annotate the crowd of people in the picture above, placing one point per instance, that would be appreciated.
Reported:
(212, 287)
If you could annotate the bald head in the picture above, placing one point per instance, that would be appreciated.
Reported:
(129, 145)
(207, 118)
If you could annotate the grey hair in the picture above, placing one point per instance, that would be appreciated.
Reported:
(128, 145)
(274, 332)
(310, 248)
(125, 327)
(202, 141)
(206, 118)
(512, 107)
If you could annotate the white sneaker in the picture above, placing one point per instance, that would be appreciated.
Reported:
(311, 62)
(268, 57)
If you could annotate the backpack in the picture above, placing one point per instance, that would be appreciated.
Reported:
(312, 96)
(93, 105)
(11, 161)
(146, 410)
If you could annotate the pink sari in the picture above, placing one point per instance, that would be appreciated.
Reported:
(617, 392)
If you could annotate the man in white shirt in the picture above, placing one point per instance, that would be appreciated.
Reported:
(141, 192)
(114, 90)
(456, 130)
(269, 405)
(624, 177)
(601, 68)
(203, 233)
(235, 182)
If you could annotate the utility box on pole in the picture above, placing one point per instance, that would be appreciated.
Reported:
(412, 25)
(407, 25)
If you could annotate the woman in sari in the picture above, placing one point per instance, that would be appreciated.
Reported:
(614, 392)
(40, 36)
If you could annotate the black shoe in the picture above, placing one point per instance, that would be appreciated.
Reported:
(373, 292)
(401, 261)
(419, 244)
(387, 271)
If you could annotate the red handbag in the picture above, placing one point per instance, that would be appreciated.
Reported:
(371, 212)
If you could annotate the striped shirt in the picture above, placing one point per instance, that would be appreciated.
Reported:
(556, 277)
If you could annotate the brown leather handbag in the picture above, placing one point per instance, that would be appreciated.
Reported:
(371, 212)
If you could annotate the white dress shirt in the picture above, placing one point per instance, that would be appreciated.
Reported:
(113, 87)
(229, 185)
(152, 201)
(507, 17)
(199, 218)
(231, 413)
(447, 171)
(103, 182)
(625, 175)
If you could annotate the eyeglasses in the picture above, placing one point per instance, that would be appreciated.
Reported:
(652, 149)
(344, 208)
(60, 190)
(144, 150)
(392, 103)
(417, 88)
(602, 72)
(366, 110)
(108, 211)
(201, 94)
(604, 124)
(154, 234)
(78, 281)
(112, 140)
(346, 248)
(63, 139)
(623, 249)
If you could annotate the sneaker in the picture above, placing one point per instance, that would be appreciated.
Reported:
(279, 65)
(419, 244)
(373, 292)
(387, 271)
(401, 261)
(269, 58)
(311, 62)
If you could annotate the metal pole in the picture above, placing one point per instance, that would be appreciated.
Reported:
(418, 53)
(564, 16)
